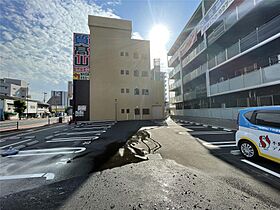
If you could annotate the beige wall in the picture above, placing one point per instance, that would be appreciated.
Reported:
(110, 37)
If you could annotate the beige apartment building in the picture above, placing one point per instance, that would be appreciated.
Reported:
(120, 84)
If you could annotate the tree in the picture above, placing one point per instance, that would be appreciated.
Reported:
(19, 107)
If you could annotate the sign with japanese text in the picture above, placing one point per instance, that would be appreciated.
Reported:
(81, 55)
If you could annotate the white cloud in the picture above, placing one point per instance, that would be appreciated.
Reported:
(36, 42)
(136, 35)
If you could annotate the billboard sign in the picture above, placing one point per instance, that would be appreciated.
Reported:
(81, 55)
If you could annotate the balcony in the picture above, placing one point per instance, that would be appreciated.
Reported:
(257, 78)
(173, 58)
(175, 85)
(174, 71)
(196, 51)
(254, 38)
(198, 92)
(195, 73)
(176, 99)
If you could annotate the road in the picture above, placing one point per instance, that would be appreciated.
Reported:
(56, 161)
(51, 157)
(28, 123)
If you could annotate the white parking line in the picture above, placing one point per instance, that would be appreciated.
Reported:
(97, 128)
(225, 129)
(48, 176)
(71, 139)
(221, 142)
(51, 151)
(196, 126)
(213, 146)
(86, 132)
(214, 127)
(9, 145)
(209, 132)
(261, 168)
(235, 152)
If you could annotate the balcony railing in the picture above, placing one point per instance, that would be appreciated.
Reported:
(174, 58)
(252, 39)
(174, 71)
(194, 53)
(176, 99)
(195, 73)
(254, 78)
(198, 92)
(230, 19)
(175, 85)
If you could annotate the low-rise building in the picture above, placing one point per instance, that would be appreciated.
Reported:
(13, 87)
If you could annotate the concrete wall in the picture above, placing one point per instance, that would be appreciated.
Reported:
(223, 117)
(110, 37)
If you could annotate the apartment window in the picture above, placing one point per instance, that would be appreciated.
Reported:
(122, 53)
(127, 90)
(136, 91)
(127, 72)
(126, 53)
(127, 111)
(137, 111)
(122, 72)
(145, 74)
(146, 111)
(122, 90)
(145, 92)
(136, 73)
(144, 56)
(135, 55)
(122, 111)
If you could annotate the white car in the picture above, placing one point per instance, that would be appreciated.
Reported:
(259, 132)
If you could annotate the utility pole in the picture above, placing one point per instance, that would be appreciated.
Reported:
(45, 96)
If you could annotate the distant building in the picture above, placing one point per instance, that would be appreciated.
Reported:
(58, 101)
(157, 74)
(120, 83)
(34, 108)
(13, 87)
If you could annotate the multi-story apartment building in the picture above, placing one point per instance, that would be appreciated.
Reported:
(120, 83)
(13, 87)
(228, 55)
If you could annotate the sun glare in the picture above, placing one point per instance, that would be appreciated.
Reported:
(159, 35)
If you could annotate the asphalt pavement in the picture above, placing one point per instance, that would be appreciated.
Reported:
(49, 157)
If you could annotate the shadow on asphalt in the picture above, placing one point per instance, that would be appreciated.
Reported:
(100, 154)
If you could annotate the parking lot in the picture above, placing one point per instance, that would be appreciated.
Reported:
(221, 143)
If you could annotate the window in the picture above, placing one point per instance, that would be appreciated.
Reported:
(136, 73)
(122, 72)
(126, 53)
(270, 119)
(145, 74)
(122, 111)
(135, 55)
(137, 111)
(136, 91)
(248, 116)
(127, 90)
(127, 111)
(122, 53)
(122, 90)
(146, 111)
(127, 72)
(145, 92)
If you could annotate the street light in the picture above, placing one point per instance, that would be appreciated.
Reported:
(116, 106)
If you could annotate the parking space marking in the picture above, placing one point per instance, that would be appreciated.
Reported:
(194, 127)
(72, 139)
(51, 151)
(214, 127)
(261, 168)
(235, 152)
(220, 142)
(85, 132)
(9, 145)
(48, 176)
(215, 145)
(96, 128)
(209, 132)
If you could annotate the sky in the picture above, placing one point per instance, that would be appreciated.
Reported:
(36, 35)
